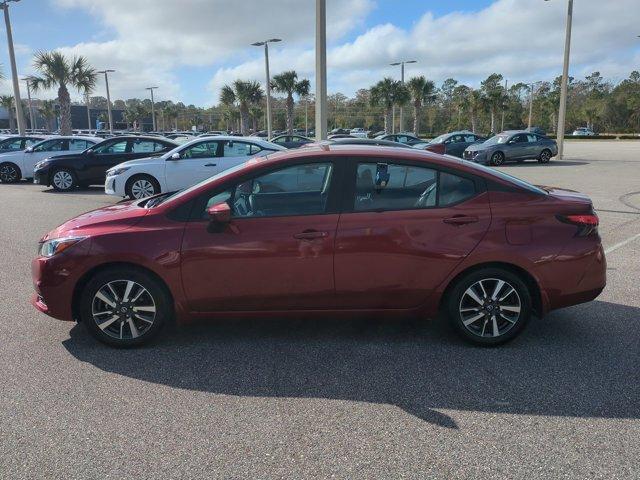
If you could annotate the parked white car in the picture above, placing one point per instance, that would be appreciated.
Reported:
(184, 166)
(17, 165)
(583, 131)
(359, 132)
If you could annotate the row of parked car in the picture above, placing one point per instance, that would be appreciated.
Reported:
(138, 166)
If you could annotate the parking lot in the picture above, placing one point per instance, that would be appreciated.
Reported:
(346, 399)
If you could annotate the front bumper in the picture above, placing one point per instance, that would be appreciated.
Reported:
(475, 156)
(41, 177)
(54, 280)
(112, 184)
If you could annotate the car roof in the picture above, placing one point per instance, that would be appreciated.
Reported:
(143, 137)
(255, 140)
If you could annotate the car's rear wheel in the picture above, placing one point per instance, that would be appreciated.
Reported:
(124, 307)
(545, 156)
(9, 173)
(142, 186)
(63, 180)
(489, 306)
(497, 158)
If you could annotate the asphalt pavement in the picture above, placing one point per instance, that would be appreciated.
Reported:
(353, 399)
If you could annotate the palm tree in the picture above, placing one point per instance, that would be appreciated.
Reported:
(170, 112)
(256, 113)
(134, 114)
(7, 102)
(422, 91)
(494, 95)
(48, 111)
(388, 93)
(57, 71)
(245, 94)
(287, 83)
(460, 96)
(476, 104)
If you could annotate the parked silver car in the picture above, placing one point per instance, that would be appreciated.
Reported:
(518, 145)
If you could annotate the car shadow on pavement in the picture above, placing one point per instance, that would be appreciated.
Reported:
(97, 190)
(552, 163)
(578, 362)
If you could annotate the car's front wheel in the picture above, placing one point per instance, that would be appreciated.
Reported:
(489, 306)
(545, 156)
(9, 173)
(124, 306)
(497, 159)
(63, 180)
(142, 186)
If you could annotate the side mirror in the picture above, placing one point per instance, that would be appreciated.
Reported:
(175, 156)
(90, 151)
(219, 213)
(28, 150)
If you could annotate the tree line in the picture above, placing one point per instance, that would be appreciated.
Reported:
(430, 109)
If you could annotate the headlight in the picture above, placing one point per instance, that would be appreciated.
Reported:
(57, 245)
(117, 171)
(41, 164)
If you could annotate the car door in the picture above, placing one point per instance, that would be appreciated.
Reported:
(397, 243)
(104, 156)
(277, 251)
(41, 151)
(533, 146)
(235, 152)
(517, 147)
(196, 162)
(455, 145)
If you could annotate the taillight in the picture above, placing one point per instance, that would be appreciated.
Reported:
(587, 223)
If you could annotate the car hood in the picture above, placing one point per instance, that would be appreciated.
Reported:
(477, 147)
(141, 161)
(112, 219)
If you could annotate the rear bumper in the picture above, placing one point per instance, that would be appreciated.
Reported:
(584, 277)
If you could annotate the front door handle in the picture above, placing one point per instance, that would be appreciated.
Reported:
(460, 220)
(310, 235)
(210, 164)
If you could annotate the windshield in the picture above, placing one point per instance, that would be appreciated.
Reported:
(497, 139)
(180, 193)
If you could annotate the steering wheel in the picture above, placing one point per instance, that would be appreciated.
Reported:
(424, 197)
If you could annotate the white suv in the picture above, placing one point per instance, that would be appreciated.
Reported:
(183, 166)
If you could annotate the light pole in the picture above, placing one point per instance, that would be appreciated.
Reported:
(565, 80)
(106, 82)
(531, 87)
(32, 117)
(402, 63)
(4, 4)
(321, 70)
(268, 79)
(153, 108)
(506, 82)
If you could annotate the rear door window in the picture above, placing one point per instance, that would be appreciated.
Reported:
(454, 189)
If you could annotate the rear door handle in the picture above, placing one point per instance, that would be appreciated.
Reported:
(460, 220)
(210, 164)
(310, 235)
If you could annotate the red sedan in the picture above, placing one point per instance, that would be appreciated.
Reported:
(327, 230)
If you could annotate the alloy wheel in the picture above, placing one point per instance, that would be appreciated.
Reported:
(8, 173)
(123, 309)
(490, 307)
(545, 156)
(498, 158)
(62, 180)
(142, 188)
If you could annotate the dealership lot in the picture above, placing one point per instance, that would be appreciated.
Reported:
(355, 398)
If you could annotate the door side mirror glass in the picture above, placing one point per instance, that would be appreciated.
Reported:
(175, 156)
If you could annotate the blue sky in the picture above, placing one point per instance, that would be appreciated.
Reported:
(191, 48)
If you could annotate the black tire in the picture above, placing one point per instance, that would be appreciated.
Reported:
(497, 158)
(118, 278)
(545, 156)
(137, 183)
(482, 330)
(63, 180)
(9, 173)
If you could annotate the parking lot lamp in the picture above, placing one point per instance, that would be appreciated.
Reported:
(32, 118)
(153, 108)
(402, 80)
(268, 78)
(565, 81)
(4, 4)
(321, 70)
(106, 82)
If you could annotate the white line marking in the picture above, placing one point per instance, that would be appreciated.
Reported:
(621, 244)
